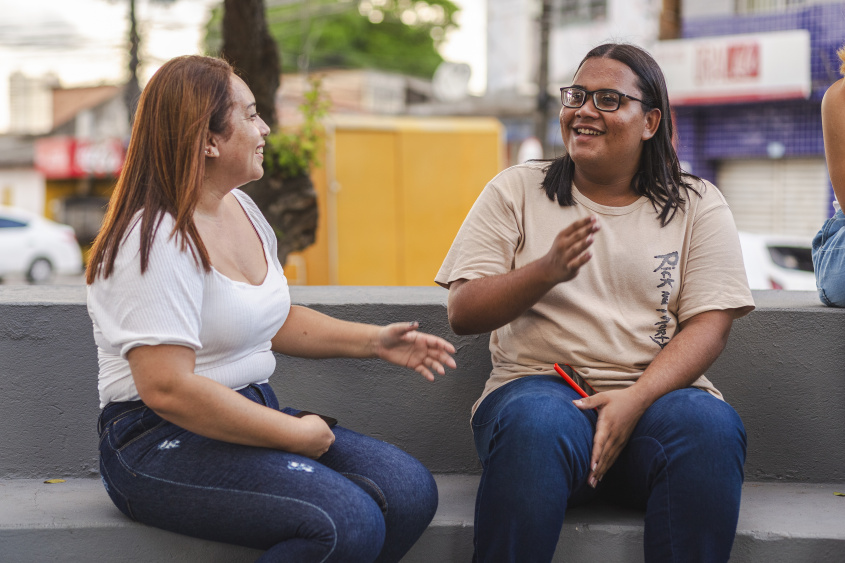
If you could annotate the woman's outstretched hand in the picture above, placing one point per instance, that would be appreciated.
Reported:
(403, 345)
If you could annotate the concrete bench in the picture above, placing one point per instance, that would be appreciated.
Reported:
(782, 371)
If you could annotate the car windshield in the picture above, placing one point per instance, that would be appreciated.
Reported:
(792, 257)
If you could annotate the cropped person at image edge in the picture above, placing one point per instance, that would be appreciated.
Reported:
(829, 243)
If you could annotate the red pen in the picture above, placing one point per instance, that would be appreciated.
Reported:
(578, 388)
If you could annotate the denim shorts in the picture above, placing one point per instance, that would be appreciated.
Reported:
(829, 261)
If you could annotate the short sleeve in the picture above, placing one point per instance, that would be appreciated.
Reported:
(487, 240)
(162, 306)
(715, 276)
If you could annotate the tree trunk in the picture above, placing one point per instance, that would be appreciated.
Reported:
(249, 47)
(289, 204)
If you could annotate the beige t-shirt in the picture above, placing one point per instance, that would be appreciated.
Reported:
(625, 304)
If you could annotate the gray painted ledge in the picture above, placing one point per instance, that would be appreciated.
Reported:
(300, 294)
(384, 295)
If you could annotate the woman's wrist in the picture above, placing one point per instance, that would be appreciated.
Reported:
(373, 348)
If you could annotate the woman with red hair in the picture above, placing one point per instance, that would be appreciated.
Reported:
(189, 303)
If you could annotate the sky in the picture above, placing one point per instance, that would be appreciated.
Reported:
(84, 41)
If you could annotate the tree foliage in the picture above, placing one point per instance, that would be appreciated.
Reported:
(291, 153)
(392, 35)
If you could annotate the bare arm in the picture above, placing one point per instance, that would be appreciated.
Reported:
(485, 304)
(833, 128)
(165, 379)
(311, 334)
(688, 355)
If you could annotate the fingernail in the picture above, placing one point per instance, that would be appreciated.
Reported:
(578, 402)
(596, 464)
(593, 482)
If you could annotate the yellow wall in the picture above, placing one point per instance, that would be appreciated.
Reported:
(400, 189)
(368, 222)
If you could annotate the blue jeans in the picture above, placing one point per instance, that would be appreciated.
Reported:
(535, 448)
(829, 261)
(363, 500)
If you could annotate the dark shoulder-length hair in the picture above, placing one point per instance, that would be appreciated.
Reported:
(659, 177)
(187, 98)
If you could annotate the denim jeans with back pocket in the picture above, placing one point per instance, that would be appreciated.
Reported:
(364, 500)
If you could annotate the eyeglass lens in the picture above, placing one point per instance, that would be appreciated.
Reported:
(604, 100)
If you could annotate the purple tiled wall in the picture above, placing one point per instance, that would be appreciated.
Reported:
(825, 22)
(707, 134)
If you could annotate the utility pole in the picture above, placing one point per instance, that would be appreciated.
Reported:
(670, 20)
(133, 89)
(542, 111)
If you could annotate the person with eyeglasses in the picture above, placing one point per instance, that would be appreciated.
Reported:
(612, 260)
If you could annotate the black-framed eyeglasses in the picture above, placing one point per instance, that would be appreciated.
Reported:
(604, 100)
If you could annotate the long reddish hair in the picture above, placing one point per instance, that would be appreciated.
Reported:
(187, 98)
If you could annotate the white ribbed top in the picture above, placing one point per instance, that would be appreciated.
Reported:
(228, 323)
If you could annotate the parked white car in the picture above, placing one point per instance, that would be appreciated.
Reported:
(778, 262)
(35, 247)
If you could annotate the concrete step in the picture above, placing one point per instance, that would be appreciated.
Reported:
(75, 521)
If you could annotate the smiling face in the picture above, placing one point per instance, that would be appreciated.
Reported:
(606, 146)
(238, 159)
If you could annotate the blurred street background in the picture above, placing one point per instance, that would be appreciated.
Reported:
(412, 106)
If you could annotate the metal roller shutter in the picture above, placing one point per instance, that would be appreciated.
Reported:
(785, 196)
